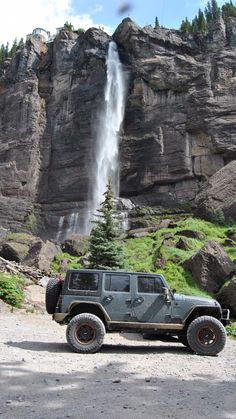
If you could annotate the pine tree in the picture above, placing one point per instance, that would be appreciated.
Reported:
(2, 53)
(215, 10)
(201, 22)
(228, 10)
(13, 48)
(212, 12)
(7, 50)
(194, 27)
(21, 44)
(157, 24)
(106, 252)
(186, 26)
(68, 26)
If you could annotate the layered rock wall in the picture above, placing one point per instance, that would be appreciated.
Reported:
(179, 126)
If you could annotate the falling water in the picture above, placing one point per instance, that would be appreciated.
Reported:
(107, 151)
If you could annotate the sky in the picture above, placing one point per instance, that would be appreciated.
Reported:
(20, 17)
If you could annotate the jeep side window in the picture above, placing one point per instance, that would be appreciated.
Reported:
(150, 285)
(114, 282)
(83, 281)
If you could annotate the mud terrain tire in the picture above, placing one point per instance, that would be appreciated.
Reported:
(52, 294)
(206, 336)
(85, 333)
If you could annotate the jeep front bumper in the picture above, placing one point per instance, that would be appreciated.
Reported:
(225, 317)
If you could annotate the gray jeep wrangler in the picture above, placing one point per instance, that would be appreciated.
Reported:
(93, 302)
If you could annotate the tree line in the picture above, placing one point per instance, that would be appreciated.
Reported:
(6, 52)
(203, 21)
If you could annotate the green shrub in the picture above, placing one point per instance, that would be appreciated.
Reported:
(11, 289)
(181, 280)
(231, 330)
(73, 262)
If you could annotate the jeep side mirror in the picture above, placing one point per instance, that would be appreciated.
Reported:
(166, 294)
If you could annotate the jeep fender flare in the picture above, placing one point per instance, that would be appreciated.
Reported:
(78, 307)
(198, 311)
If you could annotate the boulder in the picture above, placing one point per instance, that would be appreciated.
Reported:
(41, 255)
(191, 233)
(14, 251)
(219, 194)
(227, 297)
(183, 244)
(76, 245)
(15, 246)
(139, 232)
(211, 267)
(30, 250)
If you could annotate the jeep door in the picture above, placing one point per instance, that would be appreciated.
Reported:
(116, 295)
(149, 303)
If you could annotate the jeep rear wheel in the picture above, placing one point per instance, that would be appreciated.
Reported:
(206, 336)
(85, 333)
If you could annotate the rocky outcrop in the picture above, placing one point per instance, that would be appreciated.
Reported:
(210, 267)
(179, 127)
(219, 194)
(30, 250)
(41, 255)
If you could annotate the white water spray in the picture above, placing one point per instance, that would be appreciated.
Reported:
(107, 150)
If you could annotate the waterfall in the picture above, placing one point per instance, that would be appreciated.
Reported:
(68, 225)
(106, 164)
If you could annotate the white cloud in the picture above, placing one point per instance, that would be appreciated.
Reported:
(98, 8)
(19, 18)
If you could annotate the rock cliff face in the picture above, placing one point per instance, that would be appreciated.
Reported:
(179, 126)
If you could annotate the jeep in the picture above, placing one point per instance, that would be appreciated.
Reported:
(92, 302)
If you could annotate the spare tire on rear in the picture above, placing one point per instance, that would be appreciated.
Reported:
(53, 291)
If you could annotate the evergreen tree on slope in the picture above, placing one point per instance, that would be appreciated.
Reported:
(106, 251)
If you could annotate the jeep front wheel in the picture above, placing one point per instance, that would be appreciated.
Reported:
(206, 336)
(85, 333)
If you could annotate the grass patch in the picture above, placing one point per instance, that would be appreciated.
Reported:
(73, 262)
(231, 251)
(231, 330)
(182, 280)
(12, 289)
(141, 253)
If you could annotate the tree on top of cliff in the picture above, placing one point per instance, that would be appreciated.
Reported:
(106, 251)
(157, 24)
(68, 26)
(5, 52)
(186, 26)
(228, 10)
(212, 12)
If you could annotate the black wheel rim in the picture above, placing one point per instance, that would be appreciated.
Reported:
(85, 333)
(207, 336)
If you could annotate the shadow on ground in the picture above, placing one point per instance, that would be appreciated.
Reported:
(106, 348)
(100, 394)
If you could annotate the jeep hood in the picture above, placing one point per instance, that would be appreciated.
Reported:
(198, 300)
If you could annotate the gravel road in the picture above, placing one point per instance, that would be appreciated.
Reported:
(42, 379)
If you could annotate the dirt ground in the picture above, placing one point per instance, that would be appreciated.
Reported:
(41, 378)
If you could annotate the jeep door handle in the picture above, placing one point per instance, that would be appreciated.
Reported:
(139, 300)
(128, 301)
(108, 298)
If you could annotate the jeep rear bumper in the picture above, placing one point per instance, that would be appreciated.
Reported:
(225, 317)
(59, 317)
